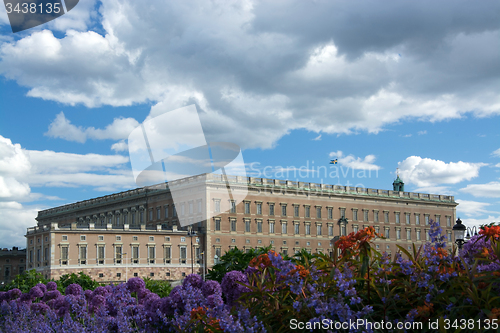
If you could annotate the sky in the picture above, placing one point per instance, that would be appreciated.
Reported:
(383, 87)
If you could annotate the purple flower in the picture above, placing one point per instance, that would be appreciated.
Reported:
(14, 293)
(214, 300)
(36, 292)
(40, 308)
(135, 284)
(74, 289)
(231, 288)
(51, 285)
(193, 279)
(42, 287)
(211, 288)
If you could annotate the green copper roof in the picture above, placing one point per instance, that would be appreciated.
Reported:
(398, 181)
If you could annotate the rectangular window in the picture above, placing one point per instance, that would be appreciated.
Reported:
(408, 234)
(199, 206)
(118, 254)
(174, 211)
(418, 234)
(259, 226)
(166, 211)
(375, 216)
(449, 236)
(183, 254)
(191, 207)
(365, 215)
(296, 210)
(259, 208)
(125, 218)
(397, 218)
(217, 206)
(271, 209)
(386, 217)
(233, 225)
(83, 255)
(150, 215)
(151, 254)
(438, 220)
(168, 254)
(141, 217)
(158, 213)
(330, 213)
(133, 218)
(417, 219)
(398, 233)
(118, 238)
(283, 228)
(247, 207)
(377, 230)
(407, 217)
(83, 238)
(247, 225)
(100, 238)
(217, 224)
(355, 228)
(271, 227)
(100, 255)
(38, 255)
(387, 233)
(330, 230)
(135, 238)
(318, 212)
(283, 210)
(427, 236)
(343, 230)
(448, 221)
(46, 257)
(307, 211)
(342, 212)
(318, 230)
(296, 226)
(308, 229)
(151, 238)
(233, 206)
(355, 215)
(426, 219)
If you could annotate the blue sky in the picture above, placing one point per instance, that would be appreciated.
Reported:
(409, 85)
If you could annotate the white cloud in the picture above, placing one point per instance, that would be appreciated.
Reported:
(62, 128)
(425, 172)
(14, 165)
(496, 153)
(318, 138)
(422, 132)
(407, 136)
(471, 222)
(14, 219)
(353, 162)
(488, 190)
(119, 146)
(473, 208)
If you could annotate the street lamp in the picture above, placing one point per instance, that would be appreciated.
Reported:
(459, 231)
(191, 234)
(470, 230)
(216, 259)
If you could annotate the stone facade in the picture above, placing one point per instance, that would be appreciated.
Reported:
(12, 263)
(137, 232)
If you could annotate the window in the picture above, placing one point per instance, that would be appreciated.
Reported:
(386, 217)
(133, 218)
(101, 275)
(64, 255)
(233, 240)
(141, 216)
(307, 211)
(354, 214)
(183, 239)
(100, 238)
(150, 215)
(217, 206)
(38, 255)
(398, 233)
(417, 219)
(137, 274)
(408, 234)
(296, 210)
(151, 254)
(259, 208)
(418, 234)
(448, 234)
(118, 238)
(166, 211)
(330, 230)
(247, 207)
(427, 236)
(365, 215)
(31, 241)
(259, 241)
(233, 206)
(407, 217)
(100, 255)
(191, 208)
(355, 228)
(217, 224)
(271, 227)
(342, 212)
(135, 238)
(183, 254)
(118, 275)
(46, 255)
(118, 254)
(296, 228)
(387, 233)
(271, 209)
(167, 239)
(397, 218)
(233, 225)
(218, 252)
(283, 210)
(318, 212)
(438, 219)
(318, 229)
(174, 211)
(259, 226)
(283, 228)
(448, 221)
(308, 229)
(248, 241)
(375, 215)
(158, 213)
(285, 252)
(168, 254)
(83, 238)
(151, 238)
(330, 213)
(217, 240)
(46, 238)
(377, 230)
(199, 206)
(426, 219)
(247, 225)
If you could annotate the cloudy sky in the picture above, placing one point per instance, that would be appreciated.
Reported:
(412, 85)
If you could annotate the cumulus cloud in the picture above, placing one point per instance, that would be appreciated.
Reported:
(350, 161)
(488, 190)
(425, 172)
(496, 153)
(473, 208)
(119, 129)
(14, 219)
(258, 70)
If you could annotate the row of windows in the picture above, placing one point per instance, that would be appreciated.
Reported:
(119, 238)
(307, 212)
(284, 227)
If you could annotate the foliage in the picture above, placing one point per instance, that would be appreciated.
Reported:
(25, 281)
(234, 260)
(81, 279)
(159, 287)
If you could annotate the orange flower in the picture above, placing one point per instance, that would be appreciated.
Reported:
(425, 310)
(263, 259)
(198, 313)
(495, 313)
(303, 272)
(491, 232)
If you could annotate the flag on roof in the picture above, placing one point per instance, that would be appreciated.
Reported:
(335, 161)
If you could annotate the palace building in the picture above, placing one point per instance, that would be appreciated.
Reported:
(138, 232)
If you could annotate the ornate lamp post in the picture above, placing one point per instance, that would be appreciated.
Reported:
(459, 231)
(191, 234)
